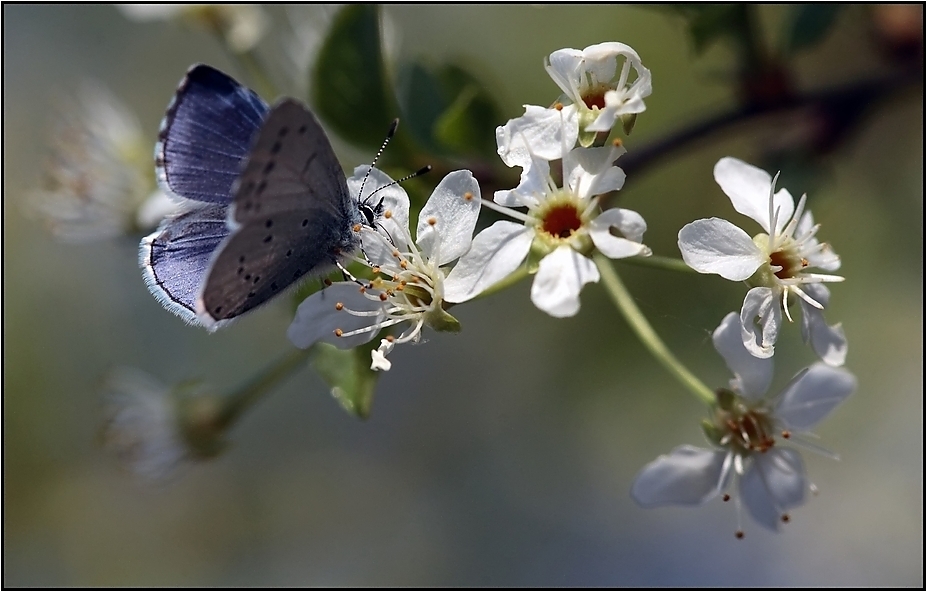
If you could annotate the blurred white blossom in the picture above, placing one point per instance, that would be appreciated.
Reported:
(774, 263)
(142, 427)
(152, 429)
(563, 225)
(99, 179)
(747, 432)
(410, 283)
(241, 25)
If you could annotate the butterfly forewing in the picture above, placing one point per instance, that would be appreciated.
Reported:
(206, 135)
(291, 166)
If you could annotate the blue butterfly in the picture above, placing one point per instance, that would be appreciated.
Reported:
(268, 202)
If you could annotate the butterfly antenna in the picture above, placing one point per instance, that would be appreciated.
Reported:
(417, 173)
(389, 136)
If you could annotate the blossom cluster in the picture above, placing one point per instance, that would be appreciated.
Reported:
(560, 226)
(747, 430)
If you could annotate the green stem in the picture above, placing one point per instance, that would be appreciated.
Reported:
(645, 332)
(238, 401)
(667, 263)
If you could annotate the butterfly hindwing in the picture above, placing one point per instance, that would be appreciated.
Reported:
(206, 135)
(292, 216)
(258, 262)
(176, 257)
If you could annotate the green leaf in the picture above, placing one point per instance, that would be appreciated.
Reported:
(808, 24)
(350, 89)
(348, 374)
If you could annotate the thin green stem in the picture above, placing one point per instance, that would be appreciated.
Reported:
(645, 332)
(238, 401)
(667, 263)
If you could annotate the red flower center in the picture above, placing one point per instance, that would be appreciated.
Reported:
(595, 98)
(561, 221)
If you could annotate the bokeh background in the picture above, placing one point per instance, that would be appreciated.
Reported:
(501, 456)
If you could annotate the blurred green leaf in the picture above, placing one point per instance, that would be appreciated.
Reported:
(422, 100)
(348, 374)
(448, 109)
(807, 24)
(709, 23)
(350, 88)
(468, 125)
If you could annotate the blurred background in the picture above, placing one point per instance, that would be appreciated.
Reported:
(501, 456)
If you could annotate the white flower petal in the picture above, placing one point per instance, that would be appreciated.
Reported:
(590, 184)
(760, 318)
(812, 397)
(828, 341)
(561, 275)
(748, 188)
(608, 116)
(453, 207)
(563, 67)
(378, 249)
(317, 317)
(687, 476)
(775, 483)
(591, 171)
(752, 375)
(495, 253)
(714, 245)
(538, 134)
(818, 255)
(531, 142)
(629, 223)
(600, 61)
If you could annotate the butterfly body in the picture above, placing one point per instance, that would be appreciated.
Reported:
(270, 175)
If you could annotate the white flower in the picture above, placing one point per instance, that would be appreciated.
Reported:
(143, 426)
(596, 88)
(242, 25)
(410, 286)
(775, 263)
(99, 181)
(747, 431)
(563, 224)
